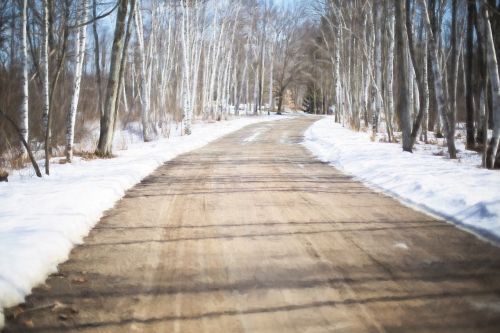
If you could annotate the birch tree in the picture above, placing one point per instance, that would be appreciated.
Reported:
(270, 87)
(390, 69)
(187, 52)
(80, 43)
(378, 64)
(492, 63)
(420, 75)
(144, 82)
(441, 105)
(45, 80)
(97, 62)
(23, 112)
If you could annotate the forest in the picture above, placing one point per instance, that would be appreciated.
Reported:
(249, 165)
(414, 67)
(407, 71)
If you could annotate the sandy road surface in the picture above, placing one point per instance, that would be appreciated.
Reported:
(251, 234)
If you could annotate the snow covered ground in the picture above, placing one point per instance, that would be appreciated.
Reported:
(458, 190)
(41, 219)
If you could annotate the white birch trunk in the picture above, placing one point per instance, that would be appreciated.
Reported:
(256, 91)
(196, 58)
(243, 81)
(366, 69)
(23, 112)
(125, 98)
(492, 64)
(338, 85)
(378, 66)
(144, 95)
(425, 125)
(438, 83)
(390, 73)
(218, 93)
(80, 41)
(215, 71)
(44, 63)
(186, 70)
(271, 68)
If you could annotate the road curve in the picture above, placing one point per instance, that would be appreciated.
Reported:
(251, 234)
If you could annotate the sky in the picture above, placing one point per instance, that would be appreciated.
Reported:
(285, 3)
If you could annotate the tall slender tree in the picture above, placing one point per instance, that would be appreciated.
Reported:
(441, 104)
(80, 43)
(469, 89)
(23, 112)
(492, 63)
(403, 98)
(108, 116)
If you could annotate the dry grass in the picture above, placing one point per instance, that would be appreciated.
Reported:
(92, 155)
(4, 175)
(13, 160)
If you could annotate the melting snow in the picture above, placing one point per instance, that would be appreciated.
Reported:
(459, 191)
(402, 246)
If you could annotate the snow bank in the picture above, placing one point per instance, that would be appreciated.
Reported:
(461, 192)
(41, 219)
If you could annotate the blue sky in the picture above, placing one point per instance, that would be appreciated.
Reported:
(285, 3)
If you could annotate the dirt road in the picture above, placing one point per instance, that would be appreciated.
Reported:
(251, 234)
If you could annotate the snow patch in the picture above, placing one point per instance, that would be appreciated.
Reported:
(460, 192)
(402, 246)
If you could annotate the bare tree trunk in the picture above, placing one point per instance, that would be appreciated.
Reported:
(256, 91)
(483, 110)
(338, 84)
(390, 70)
(469, 98)
(280, 102)
(441, 104)
(403, 98)
(144, 88)
(243, 80)
(186, 68)
(96, 60)
(58, 70)
(426, 97)
(215, 65)
(378, 66)
(24, 124)
(271, 99)
(492, 64)
(261, 61)
(80, 55)
(454, 70)
(123, 61)
(105, 145)
(45, 80)
(420, 76)
(367, 28)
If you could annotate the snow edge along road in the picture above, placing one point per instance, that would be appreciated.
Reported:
(461, 194)
(41, 220)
